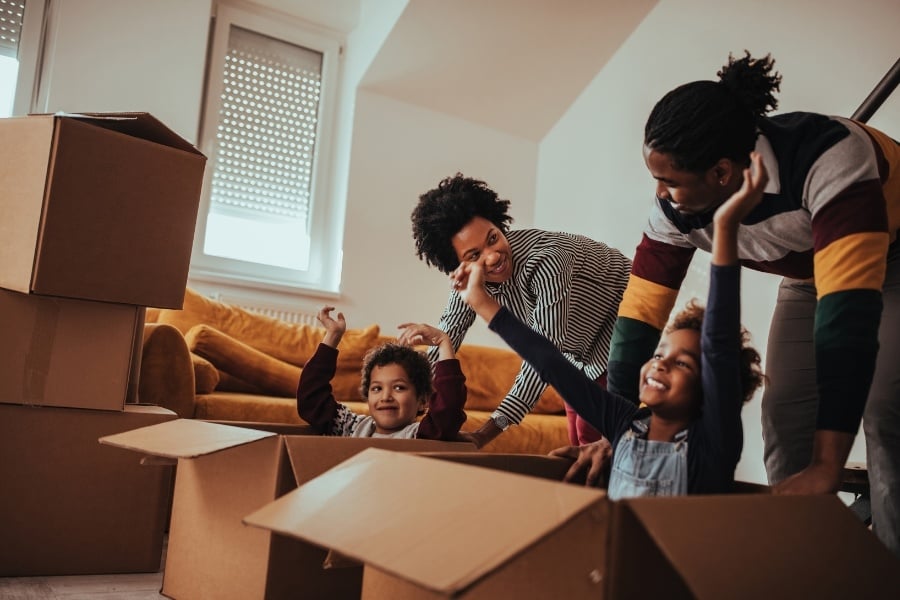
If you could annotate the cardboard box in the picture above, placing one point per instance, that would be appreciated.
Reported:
(65, 352)
(223, 474)
(535, 465)
(98, 207)
(69, 506)
(420, 537)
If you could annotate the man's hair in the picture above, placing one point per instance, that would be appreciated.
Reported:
(691, 317)
(416, 365)
(698, 123)
(444, 210)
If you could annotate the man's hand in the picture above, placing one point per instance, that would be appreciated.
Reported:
(593, 457)
(824, 473)
(811, 480)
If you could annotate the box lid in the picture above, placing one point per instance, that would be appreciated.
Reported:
(135, 124)
(748, 546)
(412, 516)
(184, 438)
(312, 455)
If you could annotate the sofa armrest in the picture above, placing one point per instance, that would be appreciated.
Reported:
(167, 372)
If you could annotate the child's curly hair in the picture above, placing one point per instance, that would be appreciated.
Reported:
(444, 210)
(691, 317)
(415, 363)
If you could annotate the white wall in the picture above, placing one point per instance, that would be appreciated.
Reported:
(831, 54)
(127, 55)
(399, 151)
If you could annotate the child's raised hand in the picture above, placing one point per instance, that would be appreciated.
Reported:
(738, 206)
(468, 280)
(334, 327)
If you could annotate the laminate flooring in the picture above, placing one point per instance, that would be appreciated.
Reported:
(129, 586)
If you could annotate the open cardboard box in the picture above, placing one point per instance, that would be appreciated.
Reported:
(420, 538)
(71, 507)
(97, 206)
(225, 472)
(66, 352)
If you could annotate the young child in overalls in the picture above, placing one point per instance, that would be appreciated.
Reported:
(686, 437)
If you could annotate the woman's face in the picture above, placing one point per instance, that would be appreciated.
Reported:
(482, 242)
(688, 193)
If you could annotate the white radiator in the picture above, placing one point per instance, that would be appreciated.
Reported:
(290, 314)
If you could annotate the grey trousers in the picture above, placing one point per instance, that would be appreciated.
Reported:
(790, 400)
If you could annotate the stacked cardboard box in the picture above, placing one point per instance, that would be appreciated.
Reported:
(97, 215)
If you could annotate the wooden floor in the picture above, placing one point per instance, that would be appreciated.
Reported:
(142, 586)
(137, 586)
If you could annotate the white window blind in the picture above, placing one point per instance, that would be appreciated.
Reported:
(268, 218)
(12, 13)
(266, 135)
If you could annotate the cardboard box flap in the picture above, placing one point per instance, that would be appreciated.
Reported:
(312, 455)
(413, 516)
(135, 124)
(184, 438)
(751, 546)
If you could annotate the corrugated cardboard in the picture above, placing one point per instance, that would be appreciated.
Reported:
(226, 472)
(65, 352)
(69, 506)
(535, 465)
(747, 546)
(420, 538)
(98, 207)
(436, 529)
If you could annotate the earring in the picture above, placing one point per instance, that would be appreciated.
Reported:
(721, 182)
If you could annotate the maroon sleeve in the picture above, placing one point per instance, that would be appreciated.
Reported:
(446, 412)
(315, 401)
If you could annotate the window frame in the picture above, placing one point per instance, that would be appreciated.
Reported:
(323, 275)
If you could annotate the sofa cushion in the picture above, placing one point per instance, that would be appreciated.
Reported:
(262, 372)
(490, 373)
(268, 374)
(206, 376)
(290, 342)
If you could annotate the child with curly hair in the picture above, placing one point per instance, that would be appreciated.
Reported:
(686, 437)
(396, 383)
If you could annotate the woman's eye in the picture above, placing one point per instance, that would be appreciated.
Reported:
(492, 239)
(473, 257)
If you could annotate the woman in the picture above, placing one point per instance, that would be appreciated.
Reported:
(565, 286)
(828, 224)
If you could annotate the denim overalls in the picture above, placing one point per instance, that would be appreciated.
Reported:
(646, 468)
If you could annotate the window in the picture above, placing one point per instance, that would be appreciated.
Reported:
(267, 218)
(12, 13)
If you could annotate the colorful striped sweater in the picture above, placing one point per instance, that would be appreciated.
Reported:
(829, 213)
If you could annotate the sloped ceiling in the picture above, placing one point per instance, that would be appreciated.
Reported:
(511, 65)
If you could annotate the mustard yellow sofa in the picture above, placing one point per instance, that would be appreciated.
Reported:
(219, 362)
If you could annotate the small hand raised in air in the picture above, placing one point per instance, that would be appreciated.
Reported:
(334, 327)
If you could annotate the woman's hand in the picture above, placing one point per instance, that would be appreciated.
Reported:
(334, 328)
(418, 334)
